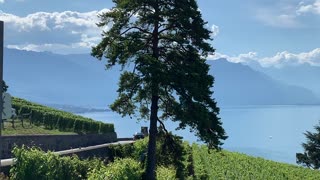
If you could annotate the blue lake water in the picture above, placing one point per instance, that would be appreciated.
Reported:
(271, 132)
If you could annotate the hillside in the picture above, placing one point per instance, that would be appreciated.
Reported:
(238, 84)
(29, 129)
(57, 120)
(303, 75)
(49, 78)
(184, 162)
(81, 80)
(231, 165)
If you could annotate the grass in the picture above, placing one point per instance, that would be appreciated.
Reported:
(29, 129)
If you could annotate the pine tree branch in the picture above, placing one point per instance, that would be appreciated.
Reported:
(163, 126)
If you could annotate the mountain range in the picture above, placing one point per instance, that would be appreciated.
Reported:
(82, 80)
(238, 84)
(303, 75)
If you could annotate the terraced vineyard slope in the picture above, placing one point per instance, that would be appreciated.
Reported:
(229, 165)
(53, 119)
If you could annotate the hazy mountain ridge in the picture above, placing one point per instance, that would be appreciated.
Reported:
(82, 80)
(304, 75)
(57, 79)
(238, 84)
(76, 109)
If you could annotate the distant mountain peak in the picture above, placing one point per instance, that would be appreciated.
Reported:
(79, 80)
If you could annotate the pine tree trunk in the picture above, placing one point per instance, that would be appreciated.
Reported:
(151, 158)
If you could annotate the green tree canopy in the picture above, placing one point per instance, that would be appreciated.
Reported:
(161, 46)
(311, 155)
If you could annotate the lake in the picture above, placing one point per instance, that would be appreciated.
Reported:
(271, 132)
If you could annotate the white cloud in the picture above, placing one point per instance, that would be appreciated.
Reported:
(50, 21)
(241, 58)
(215, 30)
(274, 19)
(73, 48)
(309, 8)
(289, 14)
(279, 60)
(3, 1)
(59, 30)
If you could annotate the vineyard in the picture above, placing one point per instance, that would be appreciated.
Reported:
(229, 165)
(185, 162)
(55, 119)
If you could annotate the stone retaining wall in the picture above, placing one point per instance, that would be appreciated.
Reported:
(53, 142)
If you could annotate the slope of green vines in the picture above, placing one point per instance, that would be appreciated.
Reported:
(124, 162)
(229, 165)
(33, 163)
(61, 120)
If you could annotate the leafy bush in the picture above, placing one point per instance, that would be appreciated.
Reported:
(32, 163)
(120, 169)
(120, 151)
(164, 173)
(171, 152)
(140, 149)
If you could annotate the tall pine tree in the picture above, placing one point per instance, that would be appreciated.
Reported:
(165, 43)
(311, 155)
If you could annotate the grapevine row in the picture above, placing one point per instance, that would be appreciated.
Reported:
(211, 164)
(56, 119)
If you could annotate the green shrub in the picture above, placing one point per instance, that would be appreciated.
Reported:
(164, 173)
(120, 151)
(170, 152)
(140, 149)
(120, 169)
(35, 164)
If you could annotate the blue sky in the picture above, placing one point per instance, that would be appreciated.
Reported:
(271, 32)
